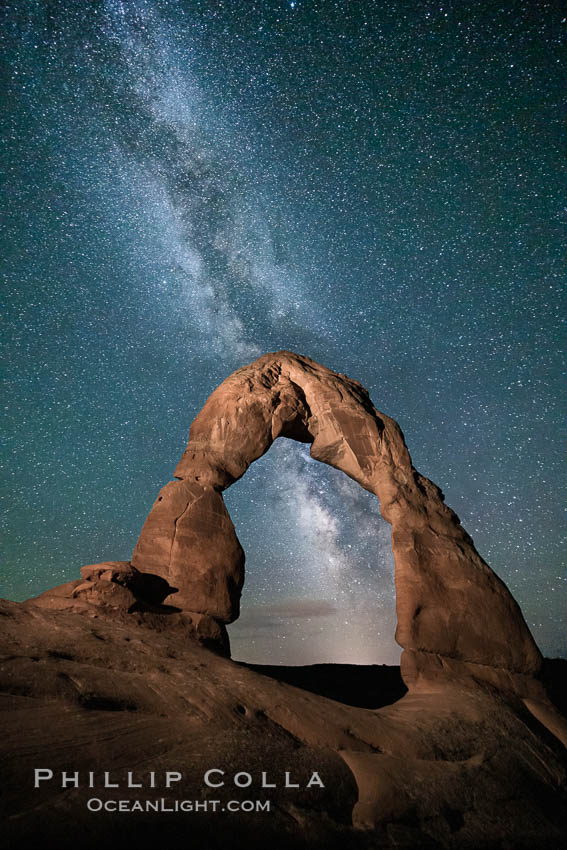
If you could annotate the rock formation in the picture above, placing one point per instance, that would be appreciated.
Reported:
(116, 589)
(104, 675)
(455, 616)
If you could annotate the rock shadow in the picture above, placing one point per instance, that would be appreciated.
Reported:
(362, 686)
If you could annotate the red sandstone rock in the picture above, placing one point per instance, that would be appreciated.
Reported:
(451, 607)
(118, 590)
(147, 586)
(455, 767)
(98, 675)
(189, 539)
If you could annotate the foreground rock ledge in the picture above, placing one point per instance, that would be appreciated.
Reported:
(458, 767)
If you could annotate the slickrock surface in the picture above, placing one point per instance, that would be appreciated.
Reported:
(101, 691)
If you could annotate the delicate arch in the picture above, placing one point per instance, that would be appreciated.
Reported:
(452, 610)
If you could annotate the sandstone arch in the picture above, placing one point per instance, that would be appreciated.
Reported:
(455, 616)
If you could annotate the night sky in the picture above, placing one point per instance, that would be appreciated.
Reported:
(378, 186)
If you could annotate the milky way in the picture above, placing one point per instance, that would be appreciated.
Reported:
(377, 186)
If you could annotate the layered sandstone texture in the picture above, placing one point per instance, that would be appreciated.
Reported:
(98, 690)
(455, 616)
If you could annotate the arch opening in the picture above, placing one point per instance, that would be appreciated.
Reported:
(319, 585)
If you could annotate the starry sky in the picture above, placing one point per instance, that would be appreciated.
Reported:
(193, 183)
